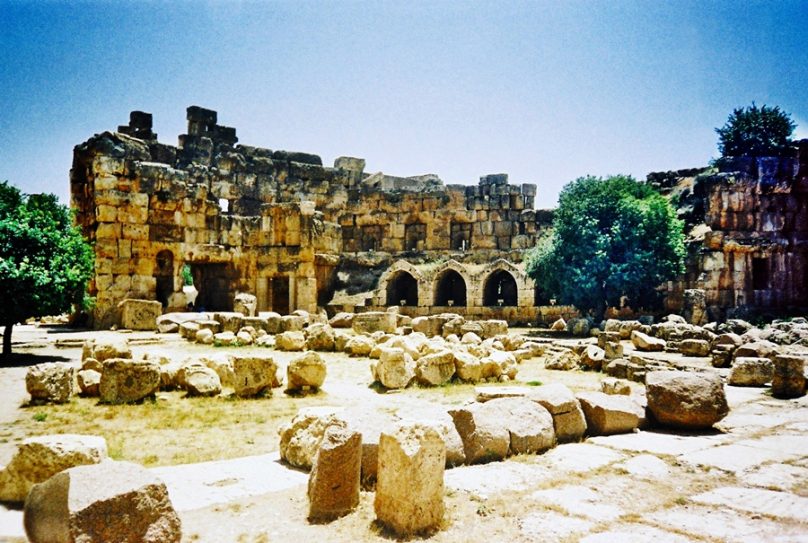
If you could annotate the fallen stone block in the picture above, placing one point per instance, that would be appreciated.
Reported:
(568, 418)
(753, 372)
(39, 458)
(140, 314)
(101, 503)
(686, 400)
(409, 488)
(608, 414)
(253, 375)
(644, 342)
(127, 381)
(300, 438)
(333, 489)
(290, 341)
(50, 382)
(306, 370)
(395, 368)
(788, 380)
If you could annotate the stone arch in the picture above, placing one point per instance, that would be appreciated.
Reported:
(389, 282)
(402, 289)
(164, 276)
(450, 289)
(499, 289)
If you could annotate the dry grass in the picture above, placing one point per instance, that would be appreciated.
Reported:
(171, 429)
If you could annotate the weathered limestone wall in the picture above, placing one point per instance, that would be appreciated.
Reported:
(272, 223)
(149, 219)
(751, 251)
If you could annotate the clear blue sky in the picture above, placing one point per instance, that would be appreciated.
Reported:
(545, 91)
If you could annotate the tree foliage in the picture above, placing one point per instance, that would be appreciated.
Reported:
(44, 261)
(756, 131)
(611, 238)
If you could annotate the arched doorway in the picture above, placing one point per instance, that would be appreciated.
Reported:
(499, 290)
(164, 276)
(402, 289)
(450, 289)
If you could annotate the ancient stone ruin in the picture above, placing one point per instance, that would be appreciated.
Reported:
(300, 235)
(293, 232)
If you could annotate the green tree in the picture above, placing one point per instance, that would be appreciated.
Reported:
(756, 131)
(44, 261)
(611, 238)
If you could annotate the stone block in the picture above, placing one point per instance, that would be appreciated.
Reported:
(253, 375)
(50, 382)
(609, 414)
(39, 458)
(788, 380)
(140, 314)
(686, 400)
(409, 488)
(749, 371)
(100, 503)
(127, 381)
(333, 488)
(306, 370)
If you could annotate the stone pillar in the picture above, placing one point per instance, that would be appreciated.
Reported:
(334, 479)
(409, 486)
(789, 376)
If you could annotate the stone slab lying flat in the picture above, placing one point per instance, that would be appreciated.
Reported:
(635, 533)
(645, 466)
(579, 457)
(737, 457)
(193, 486)
(487, 479)
(757, 501)
(581, 501)
(783, 477)
(659, 443)
(725, 525)
(550, 526)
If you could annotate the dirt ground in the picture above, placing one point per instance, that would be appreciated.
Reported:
(746, 481)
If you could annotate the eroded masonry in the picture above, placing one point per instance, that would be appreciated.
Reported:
(299, 235)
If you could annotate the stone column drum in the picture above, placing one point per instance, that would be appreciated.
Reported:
(409, 485)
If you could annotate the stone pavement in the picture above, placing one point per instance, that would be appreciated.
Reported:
(746, 482)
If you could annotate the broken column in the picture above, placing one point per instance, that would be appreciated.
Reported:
(409, 485)
(334, 480)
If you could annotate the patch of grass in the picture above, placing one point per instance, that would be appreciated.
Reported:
(534, 383)
(172, 429)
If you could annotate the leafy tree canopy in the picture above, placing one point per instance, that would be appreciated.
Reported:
(611, 238)
(755, 131)
(44, 261)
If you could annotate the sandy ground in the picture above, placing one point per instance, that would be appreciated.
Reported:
(747, 481)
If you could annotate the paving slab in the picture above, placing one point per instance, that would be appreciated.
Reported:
(646, 466)
(737, 457)
(580, 500)
(487, 479)
(635, 533)
(783, 477)
(193, 486)
(726, 525)
(579, 457)
(552, 527)
(758, 501)
(659, 443)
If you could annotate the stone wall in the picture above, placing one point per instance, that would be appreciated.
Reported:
(749, 241)
(273, 223)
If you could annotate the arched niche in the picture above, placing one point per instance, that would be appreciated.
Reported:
(450, 289)
(499, 290)
(164, 276)
(402, 289)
